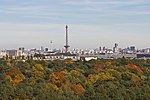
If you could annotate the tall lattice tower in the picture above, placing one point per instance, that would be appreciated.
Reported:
(66, 46)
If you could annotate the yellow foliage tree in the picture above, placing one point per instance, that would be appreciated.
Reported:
(78, 89)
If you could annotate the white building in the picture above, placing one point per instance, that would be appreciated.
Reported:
(88, 58)
(2, 53)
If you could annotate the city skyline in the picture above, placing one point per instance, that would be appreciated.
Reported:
(92, 23)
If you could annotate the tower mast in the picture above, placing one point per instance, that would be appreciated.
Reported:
(66, 46)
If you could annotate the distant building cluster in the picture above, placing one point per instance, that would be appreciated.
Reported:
(78, 54)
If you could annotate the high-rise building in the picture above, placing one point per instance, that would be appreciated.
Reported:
(100, 49)
(22, 49)
(46, 49)
(42, 49)
(115, 48)
(132, 48)
(116, 45)
(14, 53)
(104, 48)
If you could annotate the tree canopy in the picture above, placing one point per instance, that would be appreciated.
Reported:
(118, 79)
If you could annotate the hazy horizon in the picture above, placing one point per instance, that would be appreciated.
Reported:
(92, 23)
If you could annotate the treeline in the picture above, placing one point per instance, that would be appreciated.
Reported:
(120, 79)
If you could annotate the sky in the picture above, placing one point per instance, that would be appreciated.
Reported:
(92, 23)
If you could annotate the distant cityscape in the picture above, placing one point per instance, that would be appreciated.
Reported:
(102, 52)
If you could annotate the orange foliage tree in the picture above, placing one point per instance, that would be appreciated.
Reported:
(136, 68)
(73, 88)
(98, 68)
(57, 77)
(14, 75)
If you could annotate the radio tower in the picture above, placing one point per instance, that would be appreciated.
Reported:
(51, 45)
(66, 46)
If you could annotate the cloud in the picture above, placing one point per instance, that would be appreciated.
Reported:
(89, 20)
(76, 9)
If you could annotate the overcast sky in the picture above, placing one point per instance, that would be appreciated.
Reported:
(92, 23)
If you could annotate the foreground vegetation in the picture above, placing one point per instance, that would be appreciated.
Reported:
(120, 79)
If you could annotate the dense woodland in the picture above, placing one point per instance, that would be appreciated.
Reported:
(120, 79)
